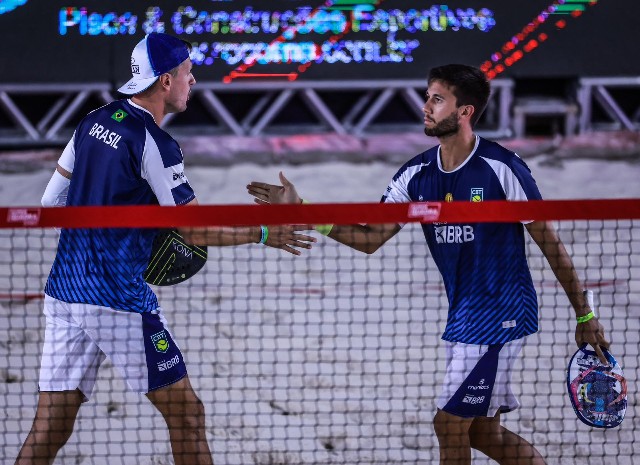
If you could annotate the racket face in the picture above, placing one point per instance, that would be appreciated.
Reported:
(598, 392)
(173, 260)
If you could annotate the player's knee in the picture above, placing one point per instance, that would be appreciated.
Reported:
(48, 440)
(441, 426)
(450, 429)
(192, 416)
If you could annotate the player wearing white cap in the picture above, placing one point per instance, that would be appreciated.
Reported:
(97, 303)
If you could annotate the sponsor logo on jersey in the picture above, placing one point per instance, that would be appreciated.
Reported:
(168, 364)
(119, 115)
(179, 175)
(160, 341)
(509, 324)
(448, 197)
(469, 399)
(449, 234)
(110, 138)
(477, 194)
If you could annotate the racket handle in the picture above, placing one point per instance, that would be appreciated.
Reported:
(588, 295)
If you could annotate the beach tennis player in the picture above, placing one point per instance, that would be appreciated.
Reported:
(97, 303)
(492, 301)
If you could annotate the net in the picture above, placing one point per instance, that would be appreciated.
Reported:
(333, 356)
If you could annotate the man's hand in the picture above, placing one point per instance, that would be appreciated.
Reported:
(270, 194)
(592, 333)
(285, 237)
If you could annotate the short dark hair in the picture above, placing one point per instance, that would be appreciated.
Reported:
(469, 85)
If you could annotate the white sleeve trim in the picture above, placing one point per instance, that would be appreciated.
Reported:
(510, 184)
(162, 180)
(397, 189)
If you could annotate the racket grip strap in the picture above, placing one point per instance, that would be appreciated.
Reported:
(585, 318)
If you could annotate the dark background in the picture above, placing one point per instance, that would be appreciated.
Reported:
(598, 43)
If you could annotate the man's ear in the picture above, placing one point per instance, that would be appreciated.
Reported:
(165, 80)
(467, 111)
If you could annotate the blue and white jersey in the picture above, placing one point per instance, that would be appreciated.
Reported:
(118, 156)
(483, 265)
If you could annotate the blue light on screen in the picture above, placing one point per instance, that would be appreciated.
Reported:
(8, 5)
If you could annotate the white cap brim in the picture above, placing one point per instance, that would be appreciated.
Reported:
(136, 85)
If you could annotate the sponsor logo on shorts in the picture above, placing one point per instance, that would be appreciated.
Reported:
(469, 399)
(160, 341)
(168, 364)
(480, 385)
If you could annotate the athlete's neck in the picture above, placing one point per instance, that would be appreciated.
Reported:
(152, 104)
(455, 149)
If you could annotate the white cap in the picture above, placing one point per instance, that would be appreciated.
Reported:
(153, 56)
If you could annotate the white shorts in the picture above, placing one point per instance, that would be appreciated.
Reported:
(478, 379)
(78, 338)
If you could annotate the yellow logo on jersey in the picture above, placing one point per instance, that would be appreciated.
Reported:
(477, 194)
(448, 197)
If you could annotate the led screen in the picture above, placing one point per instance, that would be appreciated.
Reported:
(298, 40)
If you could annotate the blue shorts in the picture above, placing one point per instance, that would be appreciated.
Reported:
(78, 338)
(478, 379)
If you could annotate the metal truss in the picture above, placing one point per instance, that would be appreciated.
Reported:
(69, 98)
(373, 97)
(67, 104)
(597, 90)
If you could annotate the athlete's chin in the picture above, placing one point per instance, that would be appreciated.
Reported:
(430, 128)
(180, 108)
(440, 132)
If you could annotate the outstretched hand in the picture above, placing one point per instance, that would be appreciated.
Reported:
(271, 194)
(287, 238)
(592, 333)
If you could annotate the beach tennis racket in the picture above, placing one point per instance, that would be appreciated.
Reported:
(598, 392)
(173, 260)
